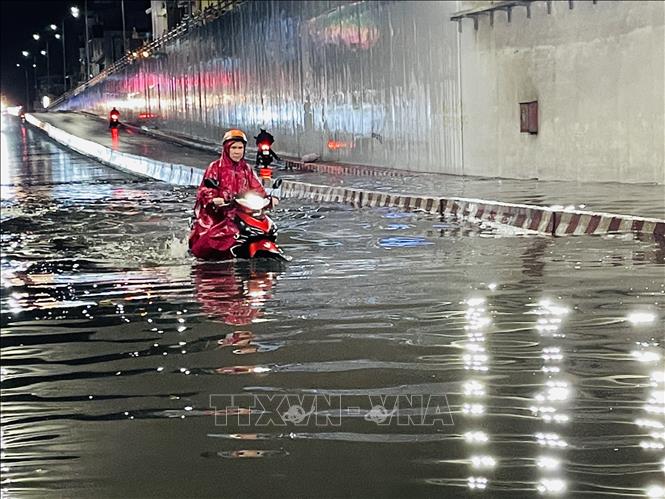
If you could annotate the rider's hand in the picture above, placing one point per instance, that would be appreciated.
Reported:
(219, 202)
(274, 201)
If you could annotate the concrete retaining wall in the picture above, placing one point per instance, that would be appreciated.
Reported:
(393, 84)
(597, 72)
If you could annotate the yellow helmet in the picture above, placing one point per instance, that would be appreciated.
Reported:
(235, 134)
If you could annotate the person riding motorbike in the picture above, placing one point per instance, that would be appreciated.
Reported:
(265, 137)
(214, 232)
(114, 118)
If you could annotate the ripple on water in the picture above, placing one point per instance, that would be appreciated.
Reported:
(114, 339)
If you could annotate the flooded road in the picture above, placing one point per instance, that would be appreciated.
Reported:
(397, 354)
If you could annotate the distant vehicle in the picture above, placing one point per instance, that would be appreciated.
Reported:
(114, 118)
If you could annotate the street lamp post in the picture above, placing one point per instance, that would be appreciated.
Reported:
(87, 48)
(34, 69)
(124, 37)
(75, 12)
(48, 67)
(64, 59)
(26, 54)
(27, 91)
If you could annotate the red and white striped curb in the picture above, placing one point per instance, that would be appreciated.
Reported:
(358, 170)
(527, 217)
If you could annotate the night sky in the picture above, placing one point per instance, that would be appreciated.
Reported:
(21, 18)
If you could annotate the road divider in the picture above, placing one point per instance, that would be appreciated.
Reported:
(141, 166)
(529, 218)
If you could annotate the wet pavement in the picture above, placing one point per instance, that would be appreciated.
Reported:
(397, 355)
(645, 200)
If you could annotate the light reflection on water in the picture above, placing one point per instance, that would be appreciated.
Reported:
(549, 351)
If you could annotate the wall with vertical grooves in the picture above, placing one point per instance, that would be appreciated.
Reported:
(362, 82)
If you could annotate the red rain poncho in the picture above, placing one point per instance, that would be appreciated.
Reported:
(214, 231)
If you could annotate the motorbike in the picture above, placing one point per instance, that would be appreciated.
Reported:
(265, 156)
(114, 120)
(258, 232)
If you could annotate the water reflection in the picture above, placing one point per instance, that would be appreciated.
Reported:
(651, 422)
(477, 362)
(235, 292)
(113, 339)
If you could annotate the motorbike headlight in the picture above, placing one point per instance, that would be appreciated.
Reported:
(253, 201)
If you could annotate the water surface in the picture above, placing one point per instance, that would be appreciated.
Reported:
(118, 349)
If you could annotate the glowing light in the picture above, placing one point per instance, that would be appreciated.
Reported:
(552, 354)
(551, 486)
(474, 302)
(641, 318)
(477, 482)
(57, 36)
(550, 440)
(75, 11)
(556, 418)
(649, 423)
(557, 391)
(658, 435)
(483, 462)
(492, 286)
(253, 201)
(46, 101)
(548, 463)
(35, 36)
(474, 388)
(476, 437)
(43, 52)
(25, 53)
(655, 491)
(473, 409)
(548, 307)
(651, 445)
(645, 356)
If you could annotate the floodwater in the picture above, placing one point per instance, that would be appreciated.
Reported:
(397, 355)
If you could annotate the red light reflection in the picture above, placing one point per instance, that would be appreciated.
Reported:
(114, 139)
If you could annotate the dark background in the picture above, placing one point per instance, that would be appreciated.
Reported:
(21, 18)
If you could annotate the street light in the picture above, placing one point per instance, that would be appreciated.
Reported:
(74, 11)
(25, 53)
(35, 36)
(27, 90)
(43, 52)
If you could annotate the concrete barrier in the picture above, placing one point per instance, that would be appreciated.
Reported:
(530, 218)
(141, 166)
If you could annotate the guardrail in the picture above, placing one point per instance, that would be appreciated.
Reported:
(148, 50)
